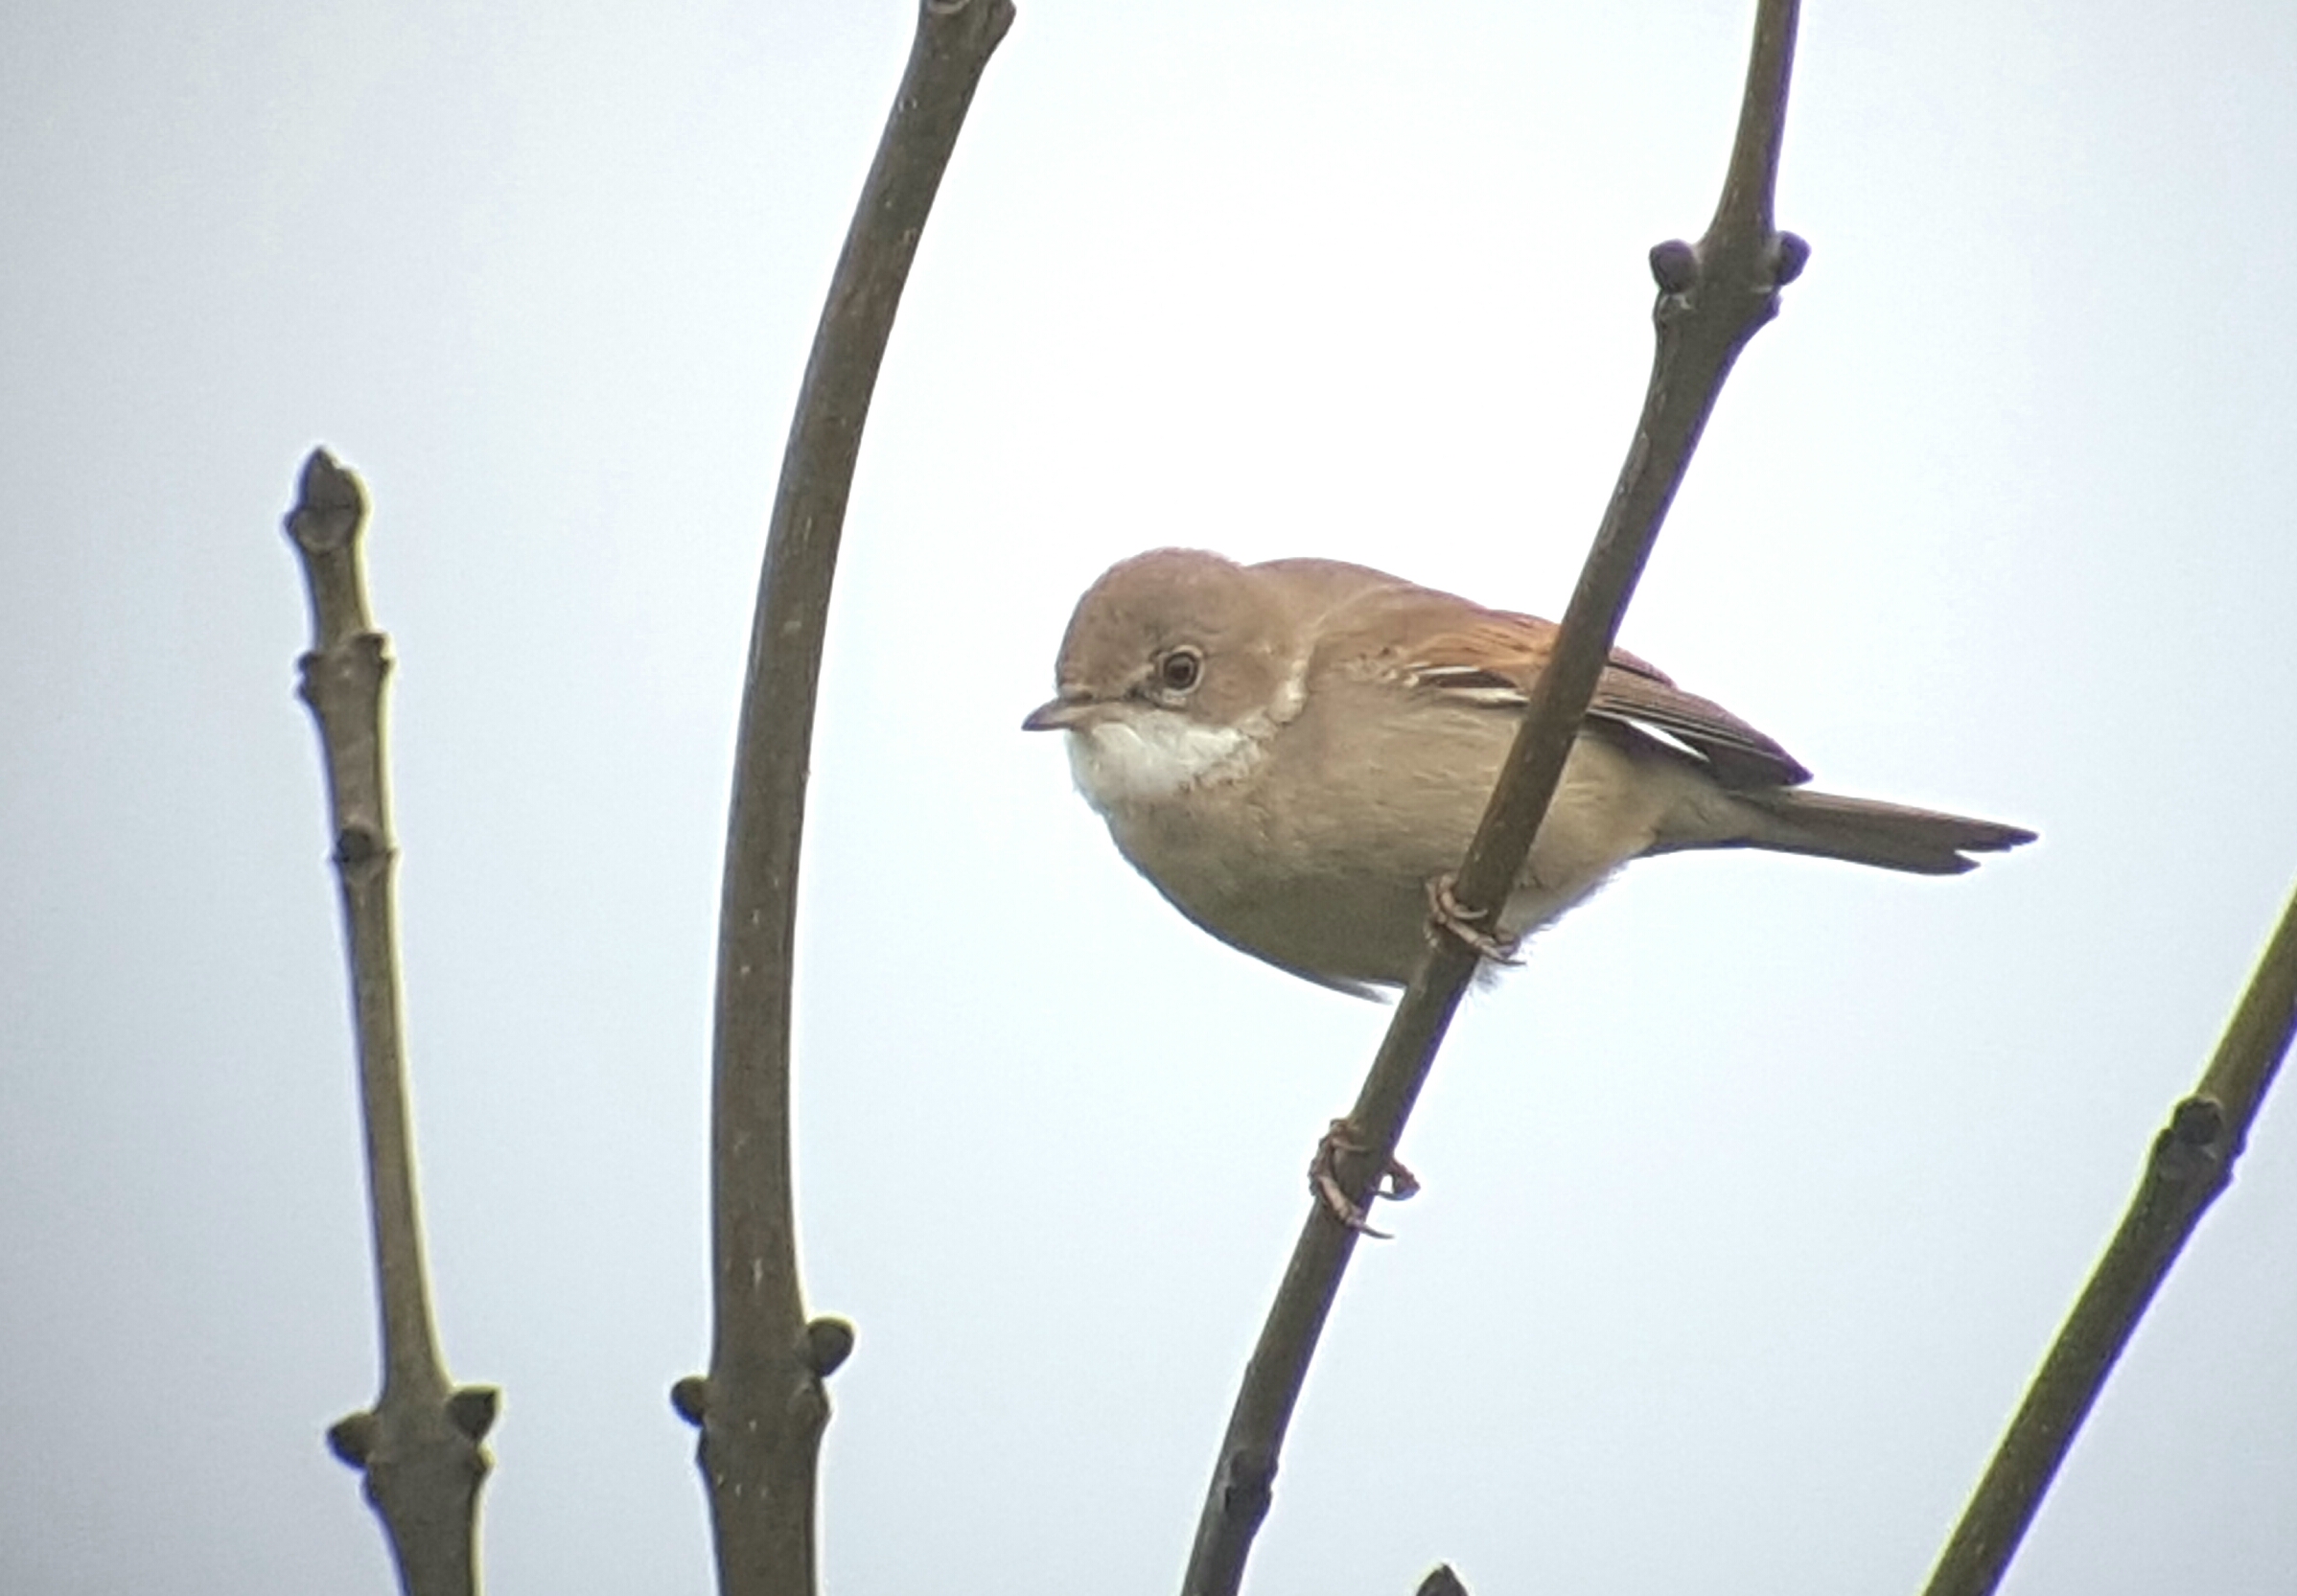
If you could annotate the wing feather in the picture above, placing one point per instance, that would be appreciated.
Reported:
(1492, 660)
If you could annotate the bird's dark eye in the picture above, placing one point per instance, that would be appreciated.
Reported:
(1180, 670)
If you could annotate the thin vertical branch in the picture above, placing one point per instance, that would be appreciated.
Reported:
(419, 1444)
(1713, 297)
(2190, 1165)
(762, 1407)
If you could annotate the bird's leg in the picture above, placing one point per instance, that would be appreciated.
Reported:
(1396, 1182)
(1449, 916)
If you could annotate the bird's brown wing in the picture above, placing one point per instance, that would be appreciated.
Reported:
(1491, 657)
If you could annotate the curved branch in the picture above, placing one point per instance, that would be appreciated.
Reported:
(1713, 297)
(762, 1407)
(419, 1444)
(2190, 1165)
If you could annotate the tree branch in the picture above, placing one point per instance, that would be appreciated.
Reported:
(419, 1444)
(2190, 1165)
(1713, 297)
(1441, 1581)
(762, 1407)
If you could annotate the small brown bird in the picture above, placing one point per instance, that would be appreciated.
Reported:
(1294, 754)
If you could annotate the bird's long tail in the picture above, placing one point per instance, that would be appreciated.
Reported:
(1789, 819)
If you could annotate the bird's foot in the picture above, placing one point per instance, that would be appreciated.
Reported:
(1395, 1183)
(1447, 917)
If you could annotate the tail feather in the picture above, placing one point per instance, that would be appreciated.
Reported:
(1789, 819)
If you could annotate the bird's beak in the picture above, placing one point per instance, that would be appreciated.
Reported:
(1061, 714)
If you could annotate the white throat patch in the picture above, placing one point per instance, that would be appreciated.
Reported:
(1153, 756)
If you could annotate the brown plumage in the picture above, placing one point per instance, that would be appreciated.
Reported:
(1292, 751)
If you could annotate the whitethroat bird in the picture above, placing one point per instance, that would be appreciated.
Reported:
(1296, 753)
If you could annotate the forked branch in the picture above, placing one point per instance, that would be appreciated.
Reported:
(419, 1445)
(1713, 297)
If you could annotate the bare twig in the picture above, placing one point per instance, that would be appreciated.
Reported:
(1713, 297)
(2191, 1162)
(1441, 1581)
(419, 1444)
(762, 1408)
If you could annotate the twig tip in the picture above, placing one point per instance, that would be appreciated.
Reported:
(1675, 266)
(828, 1344)
(330, 504)
(1441, 1581)
(352, 1438)
(2197, 1121)
(1790, 253)
(473, 1408)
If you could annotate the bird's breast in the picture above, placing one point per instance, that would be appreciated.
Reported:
(1143, 759)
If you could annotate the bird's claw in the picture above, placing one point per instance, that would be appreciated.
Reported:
(1448, 915)
(1395, 1183)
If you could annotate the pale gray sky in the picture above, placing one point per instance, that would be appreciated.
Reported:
(1751, 1203)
